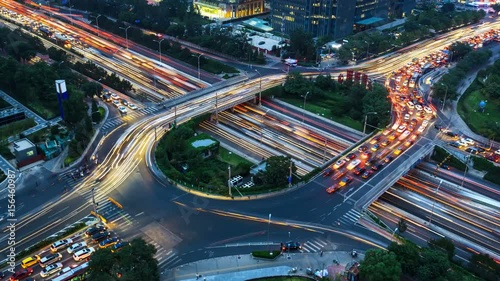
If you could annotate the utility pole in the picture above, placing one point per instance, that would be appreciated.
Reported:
(229, 180)
(366, 119)
(199, 65)
(216, 108)
(260, 87)
(304, 108)
(97, 22)
(93, 201)
(434, 203)
(159, 45)
(126, 34)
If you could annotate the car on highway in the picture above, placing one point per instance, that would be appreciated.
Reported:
(94, 230)
(83, 254)
(61, 244)
(404, 135)
(398, 150)
(375, 139)
(30, 261)
(122, 109)
(388, 159)
(428, 110)
(385, 143)
(345, 181)
(132, 106)
(118, 246)
(50, 259)
(328, 171)
(340, 163)
(367, 174)
(98, 237)
(418, 107)
(407, 116)
(108, 242)
(77, 246)
(391, 137)
(288, 246)
(401, 129)
(366, 155)
(353, 164)
(332, 188)
(115, 96)
(375, 147)
(21, 274)
(467, 141)
(351, 156)
(377, 167)
(116, 103)
(359, 170)
(51, 269)
(124, 102)
(362, 148)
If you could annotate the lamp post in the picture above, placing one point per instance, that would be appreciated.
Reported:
(268, 225)
(260, 87)
(159, 46)
(126, 33)
(97, 22)
(93, 201)
(445, 94)
(304, 108)
(290, 175)
(434, 203)
(367, 48)
(229, 180)
(366, 119)
(466, 166)
(199, 56)
(262, 121)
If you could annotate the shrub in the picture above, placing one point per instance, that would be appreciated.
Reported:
(271, 255)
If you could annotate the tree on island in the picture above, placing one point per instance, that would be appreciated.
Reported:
(133, 262)
(380, 265)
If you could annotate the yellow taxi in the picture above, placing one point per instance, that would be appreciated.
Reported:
(30, 261)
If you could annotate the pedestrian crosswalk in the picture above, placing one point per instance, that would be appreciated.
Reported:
(350, 217)
(130, 116)
(313, 246)
(167, 259)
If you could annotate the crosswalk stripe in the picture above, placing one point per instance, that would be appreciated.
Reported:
(355, 212)
(351, 217)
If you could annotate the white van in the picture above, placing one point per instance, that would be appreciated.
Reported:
(83, 254)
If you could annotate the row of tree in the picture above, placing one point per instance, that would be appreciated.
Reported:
(419, 25)
(177, 18)
(346, 99)
(431, 263)
(448, 85)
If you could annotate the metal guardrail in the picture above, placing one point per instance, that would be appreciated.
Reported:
(115, 203)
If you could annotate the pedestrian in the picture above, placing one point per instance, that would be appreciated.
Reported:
(321, 253)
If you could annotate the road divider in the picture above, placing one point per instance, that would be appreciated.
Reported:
(115, 202)
(103, 219)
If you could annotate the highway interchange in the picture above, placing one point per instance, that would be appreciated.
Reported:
(197, 227)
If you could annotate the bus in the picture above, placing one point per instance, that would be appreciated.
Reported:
(78, 273)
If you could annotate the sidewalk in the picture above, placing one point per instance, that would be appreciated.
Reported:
(450, 110)
(245, 267)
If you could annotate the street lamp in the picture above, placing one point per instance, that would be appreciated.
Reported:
(268, 224)
(199, 56)
(367, 48)
(229, 180)
(445, 94)
(434, 203)
(97, 22)
(159, 45)
(366, 119)
(126, 33)
(304, 108)
(93, 201)
(260, 87)
(261, 126)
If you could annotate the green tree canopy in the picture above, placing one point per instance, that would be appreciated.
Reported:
(380, 265)
(408, 255)
(445, 245)
(278, 170)
(134, 262)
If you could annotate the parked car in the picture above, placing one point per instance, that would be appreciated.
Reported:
(290, 246)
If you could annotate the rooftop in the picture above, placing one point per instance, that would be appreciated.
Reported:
(369, 21)
(23, 144)
(258, 24)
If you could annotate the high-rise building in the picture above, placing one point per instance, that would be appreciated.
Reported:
(334, 18)
(229, 9)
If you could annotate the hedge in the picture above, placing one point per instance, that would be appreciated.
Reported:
(491, 170)
(440, 154)
(270, 255)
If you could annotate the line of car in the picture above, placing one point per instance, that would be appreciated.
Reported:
(79, 251)
(118, 102)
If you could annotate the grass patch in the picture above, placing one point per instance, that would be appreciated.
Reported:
(16, 128)
(2, 176)
(479, 122)
(491, 170)
(43, 111)
(4, 104)
(102, 113)
(320, 110)
(439, 155)
(231, 158)
(270, 255)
